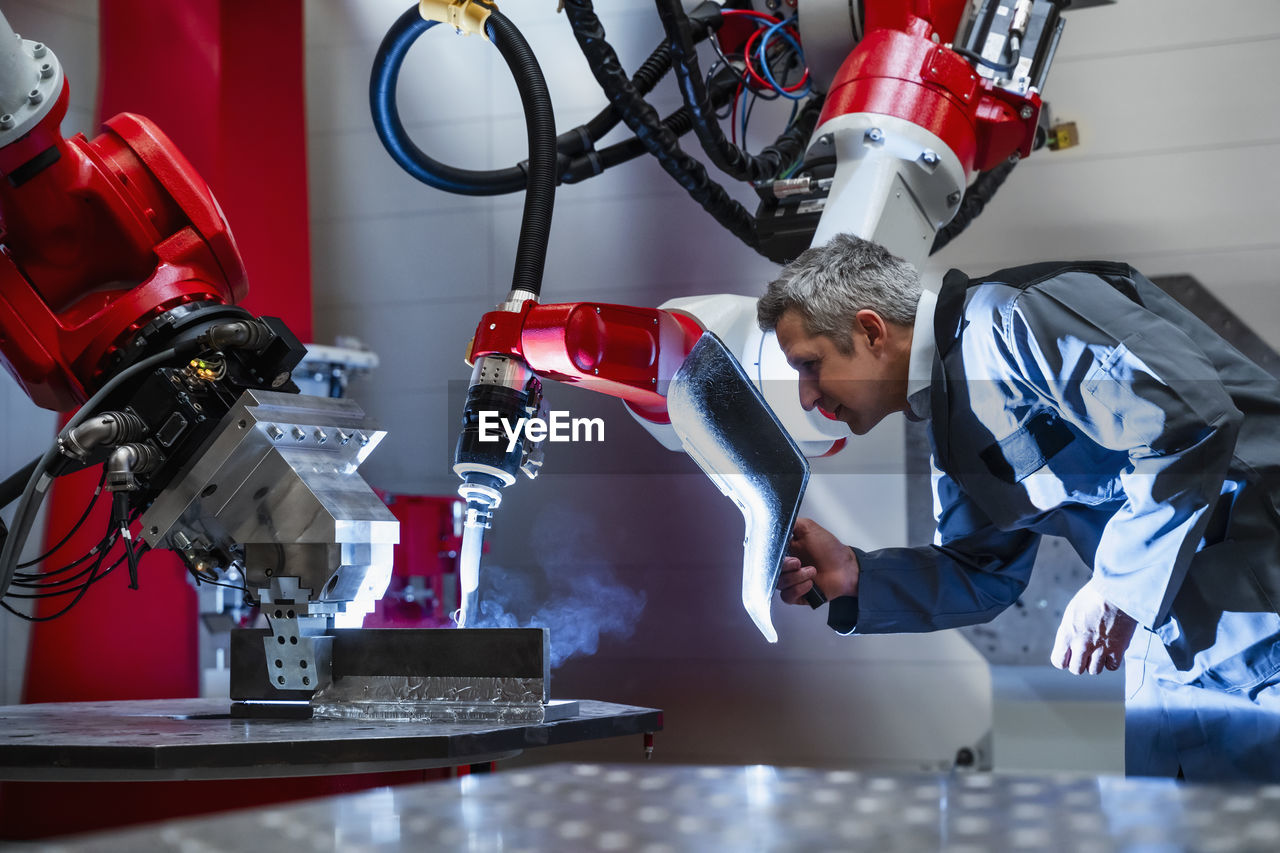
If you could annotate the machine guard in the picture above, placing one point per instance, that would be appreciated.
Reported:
(728, 429)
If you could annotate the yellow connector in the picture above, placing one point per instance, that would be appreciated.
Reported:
(466, 16)
(1063, 135)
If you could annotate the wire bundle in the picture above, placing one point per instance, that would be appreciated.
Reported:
(770, 53)
(73, 578)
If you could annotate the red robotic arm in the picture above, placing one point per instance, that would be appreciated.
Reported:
(618, 350)
(99, 238)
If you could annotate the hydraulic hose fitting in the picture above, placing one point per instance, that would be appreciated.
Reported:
(108, 428)
(468, 17)
(238, 334)
(128, 461)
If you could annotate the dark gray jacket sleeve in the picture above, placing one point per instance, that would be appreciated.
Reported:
(973, 572)
(1131, 381)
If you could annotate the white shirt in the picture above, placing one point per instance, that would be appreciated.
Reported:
(920, 364)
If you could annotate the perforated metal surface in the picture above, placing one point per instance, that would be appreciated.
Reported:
(655, 808)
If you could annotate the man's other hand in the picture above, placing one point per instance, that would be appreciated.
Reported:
(817, 557)
(1094, 634)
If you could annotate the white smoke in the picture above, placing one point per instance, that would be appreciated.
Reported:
(570, 589)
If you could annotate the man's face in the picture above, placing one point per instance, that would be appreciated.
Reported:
(859, 387)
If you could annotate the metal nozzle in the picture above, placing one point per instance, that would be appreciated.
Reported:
(481, 502)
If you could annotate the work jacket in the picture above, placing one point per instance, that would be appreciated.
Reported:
(1083, 401)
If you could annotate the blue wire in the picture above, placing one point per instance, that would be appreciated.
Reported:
(764, 63)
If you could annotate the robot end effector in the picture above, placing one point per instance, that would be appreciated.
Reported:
(186, 397)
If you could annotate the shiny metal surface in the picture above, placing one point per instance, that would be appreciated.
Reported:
(278, 488)
(668, 809)
(440, 698)
(196, 739)
(727, 428)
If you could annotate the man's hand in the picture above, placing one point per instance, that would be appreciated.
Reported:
(1094, 634)
(819, 558)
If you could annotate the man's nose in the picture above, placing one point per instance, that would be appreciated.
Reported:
(809, 394)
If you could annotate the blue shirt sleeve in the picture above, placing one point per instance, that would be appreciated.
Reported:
(972, 572)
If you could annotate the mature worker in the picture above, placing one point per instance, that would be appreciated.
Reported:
(1075, 399)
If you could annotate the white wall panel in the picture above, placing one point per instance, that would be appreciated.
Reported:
(1132, 27)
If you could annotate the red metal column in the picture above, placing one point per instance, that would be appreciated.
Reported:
(224, 79)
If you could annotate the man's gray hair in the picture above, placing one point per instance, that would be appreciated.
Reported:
(828, 285)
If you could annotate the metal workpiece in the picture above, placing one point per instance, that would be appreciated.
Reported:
(445, 699)
(272, 490)
(418, 674)
(688, 808)
(170, 739)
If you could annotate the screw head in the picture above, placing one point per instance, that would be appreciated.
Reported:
(6, 121)
(954, 198)
(34, 96)
(874, 136)
(38, 50)
(1026, 113)
(274, 432)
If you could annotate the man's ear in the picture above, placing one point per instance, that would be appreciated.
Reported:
(871, 327)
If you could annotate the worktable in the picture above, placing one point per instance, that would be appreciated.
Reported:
(170, 739)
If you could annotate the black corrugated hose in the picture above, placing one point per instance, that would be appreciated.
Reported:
(649, 129)
(724, 88)
(535, 226)
(386, 120)
(646, 77)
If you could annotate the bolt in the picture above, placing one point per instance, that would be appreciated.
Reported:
(362, 438)
(1026, 112)
(929, 159)
(6, 121)
(320, 435)
(34, 96)
(275, 432)
(180, 539)
(874, 136)
(299, 433)
(280, 379)
(46, 71)
(38, 50)
(954, 198)
(826, 139)
(344, 437)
